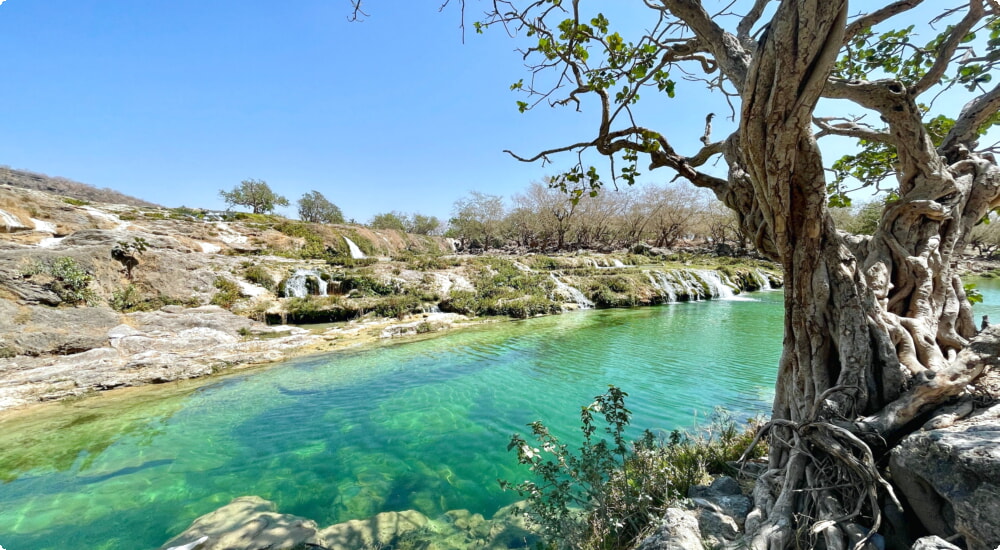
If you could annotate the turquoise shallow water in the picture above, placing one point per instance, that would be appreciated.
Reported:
(333, 437)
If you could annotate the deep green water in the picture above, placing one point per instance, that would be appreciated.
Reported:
(333, 437)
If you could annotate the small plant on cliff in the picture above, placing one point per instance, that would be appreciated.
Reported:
(126, 299)
(610, 493)
(70, 281)
(228, 294)
(258, 275)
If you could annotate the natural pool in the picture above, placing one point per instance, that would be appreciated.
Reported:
(422, 424)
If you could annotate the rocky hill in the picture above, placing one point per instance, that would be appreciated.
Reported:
(66, 187)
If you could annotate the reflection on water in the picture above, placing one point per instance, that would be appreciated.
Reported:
(421, 425)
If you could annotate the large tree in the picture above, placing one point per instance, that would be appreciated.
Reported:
(256, 194)
(877, 327)
(315, 208)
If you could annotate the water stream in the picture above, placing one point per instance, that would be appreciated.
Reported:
(419, 425)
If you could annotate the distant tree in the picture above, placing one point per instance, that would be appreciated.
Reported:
(313, 207)
(422, 225)
(389, 220)
(255, 194)
(477, 219)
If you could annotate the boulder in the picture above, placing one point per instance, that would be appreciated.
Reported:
(933, 543)
(950, 478)
(721, 509)
(45, 330)
(246, 523)
(375, 532)
(677, 531)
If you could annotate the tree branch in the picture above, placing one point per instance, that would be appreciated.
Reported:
(947, 49)
(731, 56)
(849, 128)
(878, 16)
(973, 116)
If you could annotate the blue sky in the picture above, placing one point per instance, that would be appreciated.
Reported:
(172, 101)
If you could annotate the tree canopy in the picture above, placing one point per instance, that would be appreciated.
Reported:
(315, 208)
(255, 194)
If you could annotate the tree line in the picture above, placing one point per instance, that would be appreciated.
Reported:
(548, 217)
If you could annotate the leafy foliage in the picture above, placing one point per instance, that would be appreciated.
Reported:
(315, 208)
(255, 194)
(70, 281)
(389, 220)
(608, 494)
(228, 293)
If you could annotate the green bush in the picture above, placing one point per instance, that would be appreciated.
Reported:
(397, 306)
(258, 275)
(608, 495)
(71, 282)
(369, 285)
(228, 293)
(126, 299)
(75, 202)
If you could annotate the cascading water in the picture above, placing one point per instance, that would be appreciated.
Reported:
(719, 284)
(662, 283)
(10, 223)
(299, 283)
(356, 252)
(573, 294)
(691, 285)
(763, 279)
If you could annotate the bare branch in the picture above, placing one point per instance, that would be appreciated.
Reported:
(973, 116)
(751, 18)
(947, 49)
(729, 53)
(849, 128)
(878, 16)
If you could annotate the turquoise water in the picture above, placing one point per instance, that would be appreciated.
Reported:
(420, 425)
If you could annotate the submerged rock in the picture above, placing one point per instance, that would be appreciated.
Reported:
(247, 523)
(252, 523)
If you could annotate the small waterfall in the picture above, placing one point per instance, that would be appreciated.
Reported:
(691, 285)
(11, 223)
(763, 279)
(720, 288)
(573, 294)
(298, 285)
(615, 262)
(43, 226)
(663, 284)
(356, 252)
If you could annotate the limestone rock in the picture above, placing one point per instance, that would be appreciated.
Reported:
(723, 497)
(46, 330)
(247, 523)
(951, 478)
(378, 531)
(678, 531)
(933, 543)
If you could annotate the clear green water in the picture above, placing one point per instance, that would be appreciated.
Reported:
(419, 425)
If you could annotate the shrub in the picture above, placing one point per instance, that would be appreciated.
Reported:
(228, 293)
(397, 306)
(75, 202)
(127, 299)
(71, 282)
(607, 495)
(258, 275)
(369, 285)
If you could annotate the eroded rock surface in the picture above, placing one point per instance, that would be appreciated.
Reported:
(133, 349)
(252, 523)
(950, 478)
